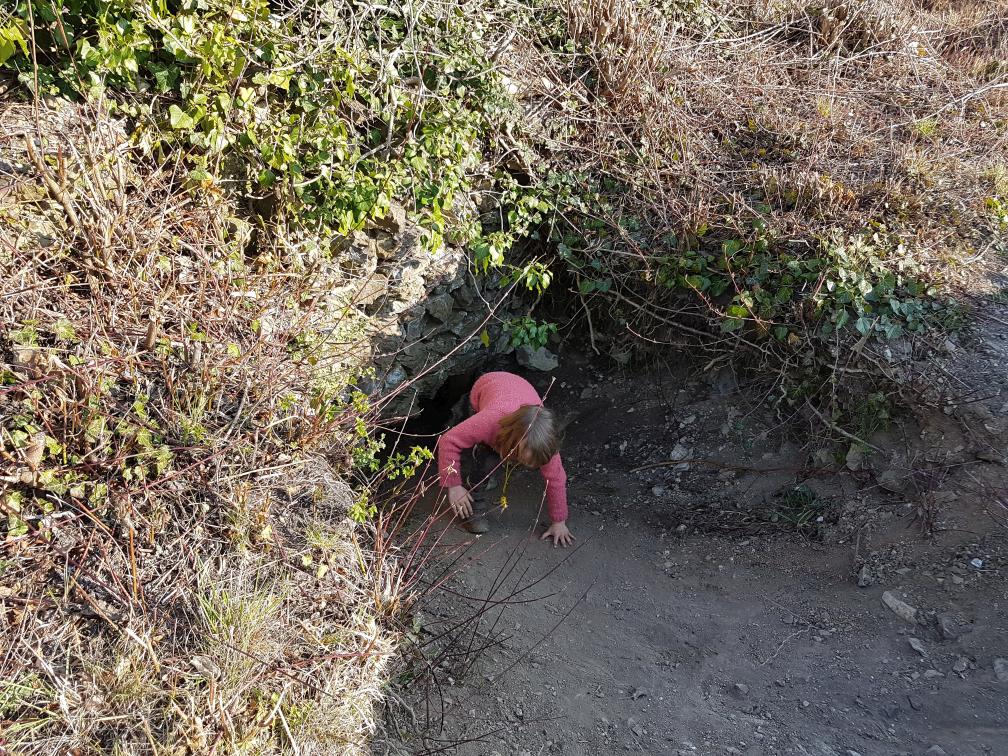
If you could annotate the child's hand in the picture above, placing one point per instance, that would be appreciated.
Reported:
(559, 533)
(461, 501)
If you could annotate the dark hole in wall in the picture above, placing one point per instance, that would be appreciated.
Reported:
(435, 416)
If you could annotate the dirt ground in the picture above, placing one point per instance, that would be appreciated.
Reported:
(728, 604)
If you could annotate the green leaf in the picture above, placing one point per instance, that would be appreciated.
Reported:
(179, 119)
(738, 311)
(485, 338)
(7, 49)
(11, 38)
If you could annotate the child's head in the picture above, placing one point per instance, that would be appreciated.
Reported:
(529, 436)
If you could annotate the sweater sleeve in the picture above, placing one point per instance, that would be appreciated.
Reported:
(471, 431)
(556, 489)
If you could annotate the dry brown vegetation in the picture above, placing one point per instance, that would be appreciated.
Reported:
(178, 574)
(824, 119)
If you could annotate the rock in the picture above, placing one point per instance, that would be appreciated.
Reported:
(384, 246)
(466, 294)
(948, 627)
(893, 481)
(620, 354)
(413, 329)
(957, 580)
(1001, 670)
(918, 646)
(725, 382)
(935, 750)
(932, 674)
(681, 452)
(851, 752)
(367, 293)
(461, 324)
(855, 458)
(990, 455)
(537, 359)
(865, 577)
(740, 690)
(440, 306)
(976, 563)
(395, 377)
(659, 491)
(961, 665)
(899, 607)
(394, 220)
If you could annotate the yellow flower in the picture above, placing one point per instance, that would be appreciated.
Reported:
(503, 502)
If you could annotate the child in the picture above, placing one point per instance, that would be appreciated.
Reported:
(508, 417)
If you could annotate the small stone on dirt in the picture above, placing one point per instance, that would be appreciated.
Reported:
(949, 627)
(935, 750)
(918, 646)
(1001, 670)
(541, 359)
(961, 665)
(855, 458)
(900, 608)
(865, 577)
(893, 481)
(740, 690)
(681, 452)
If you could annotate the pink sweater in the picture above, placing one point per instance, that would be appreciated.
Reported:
(493, 396)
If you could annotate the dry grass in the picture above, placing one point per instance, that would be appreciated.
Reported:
(835, 115)
(178, 573)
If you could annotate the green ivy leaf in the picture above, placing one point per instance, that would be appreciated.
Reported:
(179, 119)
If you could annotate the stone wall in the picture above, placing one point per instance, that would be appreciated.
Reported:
(426, 312)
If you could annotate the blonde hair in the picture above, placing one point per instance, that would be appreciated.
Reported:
(532, 432)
